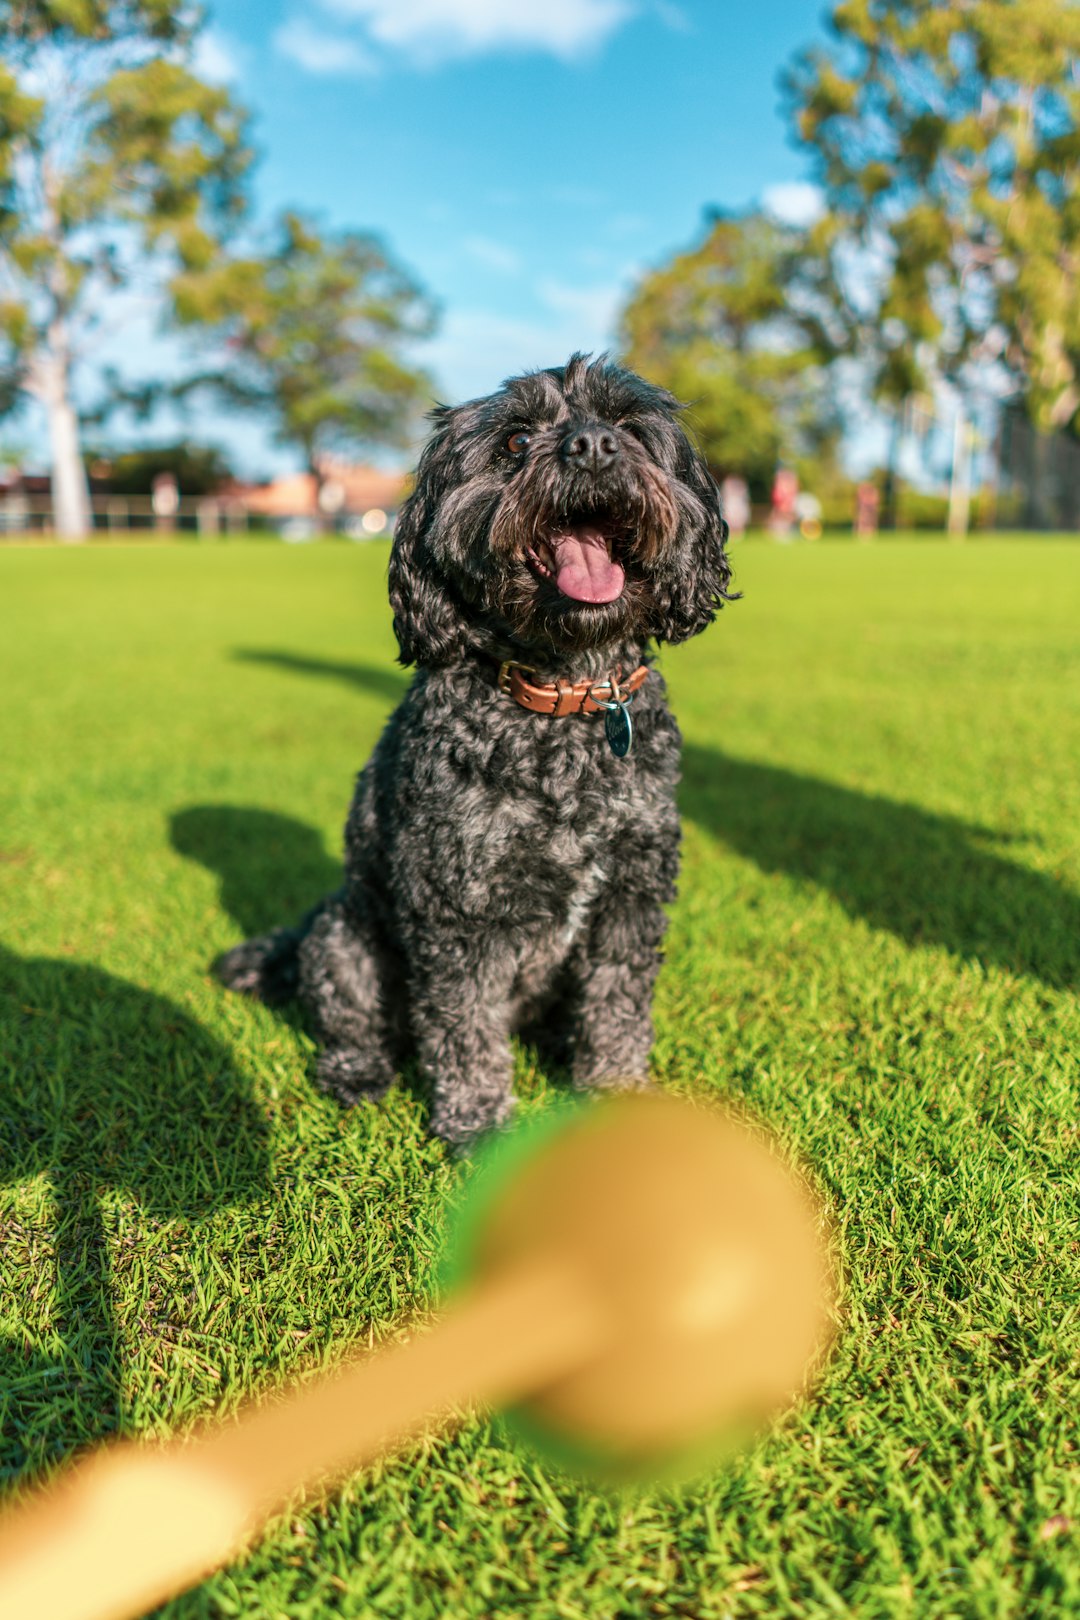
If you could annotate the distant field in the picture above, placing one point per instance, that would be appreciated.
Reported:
(876, 948)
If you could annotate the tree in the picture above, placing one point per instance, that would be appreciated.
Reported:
(198, 469)
(315, 333)
(112, 151)
(729, 326)
(946, 135)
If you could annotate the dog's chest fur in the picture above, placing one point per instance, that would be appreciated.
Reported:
(477, 813)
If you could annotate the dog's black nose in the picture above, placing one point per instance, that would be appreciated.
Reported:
(590, 448)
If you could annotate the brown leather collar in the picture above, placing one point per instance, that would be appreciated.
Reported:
(559, 698)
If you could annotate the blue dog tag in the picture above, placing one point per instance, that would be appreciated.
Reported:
(618, 729)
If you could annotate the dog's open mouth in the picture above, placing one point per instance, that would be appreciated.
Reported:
(579, 562)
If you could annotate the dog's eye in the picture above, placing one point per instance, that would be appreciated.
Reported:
(517, 443)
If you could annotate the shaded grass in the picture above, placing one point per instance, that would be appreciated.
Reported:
(876, 947)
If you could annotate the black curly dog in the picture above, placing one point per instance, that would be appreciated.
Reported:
(506, 870)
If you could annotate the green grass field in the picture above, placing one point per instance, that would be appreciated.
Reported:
(876, 948)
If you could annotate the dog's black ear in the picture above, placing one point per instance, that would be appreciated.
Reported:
(428, 626)
(693, 586)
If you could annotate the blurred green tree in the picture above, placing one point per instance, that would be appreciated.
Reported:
(315, 332)
(112, 151)
(946, 135)
(199, 469)
(734, 326)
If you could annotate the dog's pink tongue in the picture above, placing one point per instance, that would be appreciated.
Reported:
(584, 568)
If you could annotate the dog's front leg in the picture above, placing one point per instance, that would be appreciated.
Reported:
(461, 1020)
(614, 966)
(349, 987)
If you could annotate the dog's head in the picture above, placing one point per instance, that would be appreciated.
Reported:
(567, 512)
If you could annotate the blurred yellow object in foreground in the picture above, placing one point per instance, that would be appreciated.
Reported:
(638, 1283)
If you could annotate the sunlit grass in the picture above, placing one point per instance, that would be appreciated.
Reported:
(876, 947)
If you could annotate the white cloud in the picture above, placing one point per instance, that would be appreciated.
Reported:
(435, 30)
(673, 16)
(593, 309)
(795, 202)
(577, 196)
(216, 58)
(322, 53)
(627, 225)
(495, 255)
(474, 350)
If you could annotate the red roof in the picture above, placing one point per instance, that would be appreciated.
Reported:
(363, 488)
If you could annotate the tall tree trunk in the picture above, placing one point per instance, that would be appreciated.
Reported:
(317, 472)
(960, 480)
(70, 490)
(890, 503)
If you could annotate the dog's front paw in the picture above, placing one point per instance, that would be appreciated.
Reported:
(353, 1077)
(463, 1122)
(266, 968)
(241, 969)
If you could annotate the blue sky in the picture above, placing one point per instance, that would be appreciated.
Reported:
(527, 160)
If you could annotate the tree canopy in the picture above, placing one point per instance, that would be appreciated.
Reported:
(112, 150)
(315, 331)
(946, 134)
(728, 327)
(198, 469)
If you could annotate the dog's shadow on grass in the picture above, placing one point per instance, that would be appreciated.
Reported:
(271, 867)
(387, 684)
(103, 1086)
(925, 877)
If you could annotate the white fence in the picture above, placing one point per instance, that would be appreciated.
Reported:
(118, 514)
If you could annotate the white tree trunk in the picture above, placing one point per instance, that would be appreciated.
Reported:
(960, 482)
(70, 490)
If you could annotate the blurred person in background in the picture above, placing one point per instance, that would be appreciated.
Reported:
(735, 501)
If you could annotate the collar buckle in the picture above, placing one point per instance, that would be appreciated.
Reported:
(505, 667)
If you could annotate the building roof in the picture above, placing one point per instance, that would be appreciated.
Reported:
(362, 488)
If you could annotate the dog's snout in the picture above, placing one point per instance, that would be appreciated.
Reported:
(591, 447)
